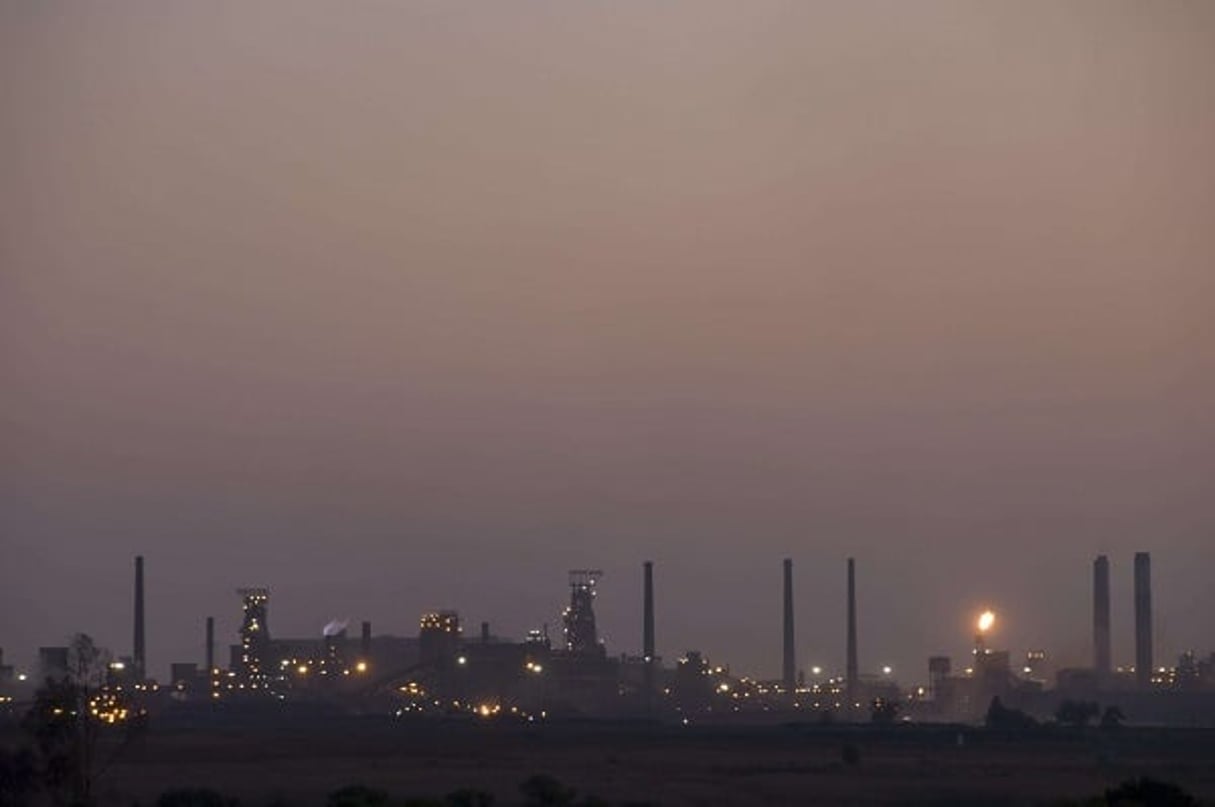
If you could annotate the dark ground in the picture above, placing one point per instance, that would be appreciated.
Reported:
(670, 765)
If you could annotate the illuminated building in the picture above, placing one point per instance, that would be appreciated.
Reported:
(438, 635)
(581, 634)
(1035, 662)
(255, 662)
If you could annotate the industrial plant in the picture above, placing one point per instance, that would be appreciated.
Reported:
(447, 671)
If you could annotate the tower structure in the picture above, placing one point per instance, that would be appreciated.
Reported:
(1143, 619)
(1101, 618)
(138, 649)
(647, 630)
(581, 635)
(438, 636)
(789, 661)
(255, 637)
(210, 646)
(647, 627)
(852, 674)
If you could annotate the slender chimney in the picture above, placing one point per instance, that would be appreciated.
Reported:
(366, 648)
(138, 650)
(484, 633)
(647, 628)
(210, 646)
(1143, 619)
(789, 669)
(852, 672)
(1101, 618)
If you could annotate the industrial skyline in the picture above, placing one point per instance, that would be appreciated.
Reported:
(405, 305)
(580, 634)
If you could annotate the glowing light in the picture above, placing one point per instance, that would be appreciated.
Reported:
(462, 660)
(302, 669)
(361, 666)
(816, 670)
(887, 670)
(986, 620)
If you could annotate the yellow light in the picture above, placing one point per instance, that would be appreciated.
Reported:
(302, 669)
(986, 620)
(361, 666)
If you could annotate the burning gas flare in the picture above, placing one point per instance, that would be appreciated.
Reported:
(986, 620)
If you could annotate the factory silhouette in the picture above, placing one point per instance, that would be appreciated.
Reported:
(445, 671)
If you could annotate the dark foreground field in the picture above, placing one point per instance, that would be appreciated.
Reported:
(912, 765)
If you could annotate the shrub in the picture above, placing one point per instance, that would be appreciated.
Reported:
(851, 755)
(468, 797)
(357, 796)
(194, 797)
(1149, 793)
(543, 790)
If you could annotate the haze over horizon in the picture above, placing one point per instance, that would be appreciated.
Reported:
(391, 307)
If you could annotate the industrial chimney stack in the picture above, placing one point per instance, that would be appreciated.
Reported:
(852, 672)
(1143, 619)
(647, 629)
(1101, 618)
(210, 646)
(789, 668)
(138, 651)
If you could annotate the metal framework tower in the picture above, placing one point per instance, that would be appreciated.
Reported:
(581, 635)
(255, 637)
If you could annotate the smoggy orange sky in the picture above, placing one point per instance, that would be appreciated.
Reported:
(394, 306)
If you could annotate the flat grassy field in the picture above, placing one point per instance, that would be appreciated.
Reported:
(790, 764)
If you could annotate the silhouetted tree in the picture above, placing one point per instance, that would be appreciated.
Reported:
(1077, 713)
(1147, 792)
(1001, 717)
(357, 796)
(543, 790)
(194, 797)
(65, 732)
(851, 755)
(52, 724)
(18, 776)
(1112, 718)
(469, 797)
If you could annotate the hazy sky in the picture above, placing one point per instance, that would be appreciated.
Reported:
(393, 305)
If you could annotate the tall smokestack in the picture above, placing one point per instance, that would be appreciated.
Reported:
(852, 672)
(647, 631)
(210, 645)
(366, 644)
(138, 650)
(647, 627)
(1143, 619)
(789, 669)
(1101, 618)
